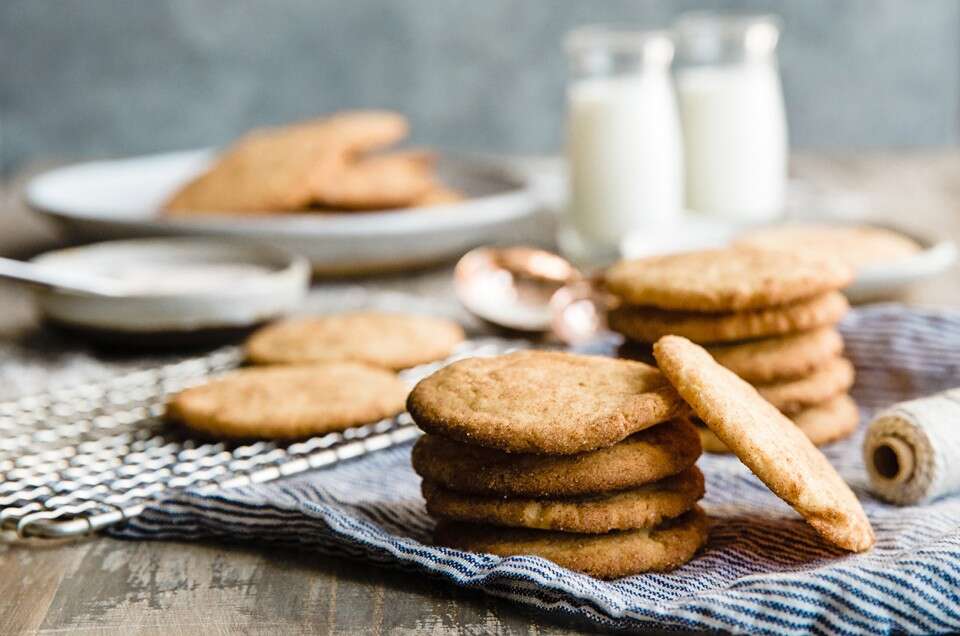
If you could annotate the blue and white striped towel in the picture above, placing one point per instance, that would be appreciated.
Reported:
(764, 570)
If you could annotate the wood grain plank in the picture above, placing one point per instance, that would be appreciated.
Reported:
(31, 573)
(118, 587)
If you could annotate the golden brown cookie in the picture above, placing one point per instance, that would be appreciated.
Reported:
(364, 131)
(605, 556)
(439, 195)
(280, 169)
(392, 341)
(543, 402)
(648, 325)
(725, 280)
(766, 360)
(289, 402)
(824, 424)
(792, 396)
(642, 507)
(857, 245)
(833, 420)
(377, 182)
(772, 446)
(650, 455)
(781, 357)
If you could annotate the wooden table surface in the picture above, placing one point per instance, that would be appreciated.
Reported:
(102, 586)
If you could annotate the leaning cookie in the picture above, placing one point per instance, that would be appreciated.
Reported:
(543, 402)
(606, 556)
(772, 446)
(650, 455)
(648, 325)
(389, 340)
(642, 507)
(289, 402)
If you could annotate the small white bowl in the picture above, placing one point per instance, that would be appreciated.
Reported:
(175, 286)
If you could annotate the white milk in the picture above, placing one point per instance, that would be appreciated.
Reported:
(625, 154)
(735, 140)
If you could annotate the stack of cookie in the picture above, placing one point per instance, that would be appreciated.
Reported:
(588, 462)
(769, 316)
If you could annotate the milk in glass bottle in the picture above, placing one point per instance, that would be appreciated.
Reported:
(624, 148)
(732, 112)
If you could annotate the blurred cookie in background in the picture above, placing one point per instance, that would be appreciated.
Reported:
(329, 163)
(383, 339)
(859, 246)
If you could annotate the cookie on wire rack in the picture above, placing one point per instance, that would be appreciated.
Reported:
(289, 402)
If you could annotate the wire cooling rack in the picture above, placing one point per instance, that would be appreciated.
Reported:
(78, 460)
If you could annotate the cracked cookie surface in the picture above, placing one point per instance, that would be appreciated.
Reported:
(641, 507)
(543, 402)
(606, 556)
(768, 443)
(289, 402)
(389, 340)
(725, 280)
(652, 454)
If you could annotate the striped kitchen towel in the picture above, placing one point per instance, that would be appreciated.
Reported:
(764, 570)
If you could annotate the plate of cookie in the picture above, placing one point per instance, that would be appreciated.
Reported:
(331, 189)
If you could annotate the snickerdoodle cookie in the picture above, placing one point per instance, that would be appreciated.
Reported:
(648, 325)
(543, 402)
(641, 507)
(289, 402)
(766, 360)
(857, 245)
(792, 396)
(725, 280)
(389, 340)
(652, 454)
(606, 556)
(293, 167)
(781, 357)
(772, 446)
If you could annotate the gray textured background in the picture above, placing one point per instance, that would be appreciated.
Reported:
(115, 77)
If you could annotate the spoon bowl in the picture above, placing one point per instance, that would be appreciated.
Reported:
(531, 291)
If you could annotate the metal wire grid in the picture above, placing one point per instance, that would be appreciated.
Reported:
(78, 460)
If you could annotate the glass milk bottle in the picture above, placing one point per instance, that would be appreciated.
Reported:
(731, 108)
(624, 148)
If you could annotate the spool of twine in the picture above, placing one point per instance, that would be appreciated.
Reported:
(912, 449)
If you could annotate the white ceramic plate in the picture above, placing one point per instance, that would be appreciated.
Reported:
(872, 283)
(121, 199)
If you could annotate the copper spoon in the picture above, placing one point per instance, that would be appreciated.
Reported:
(532, 291)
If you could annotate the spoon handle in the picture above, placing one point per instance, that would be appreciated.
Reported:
(48, 278)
